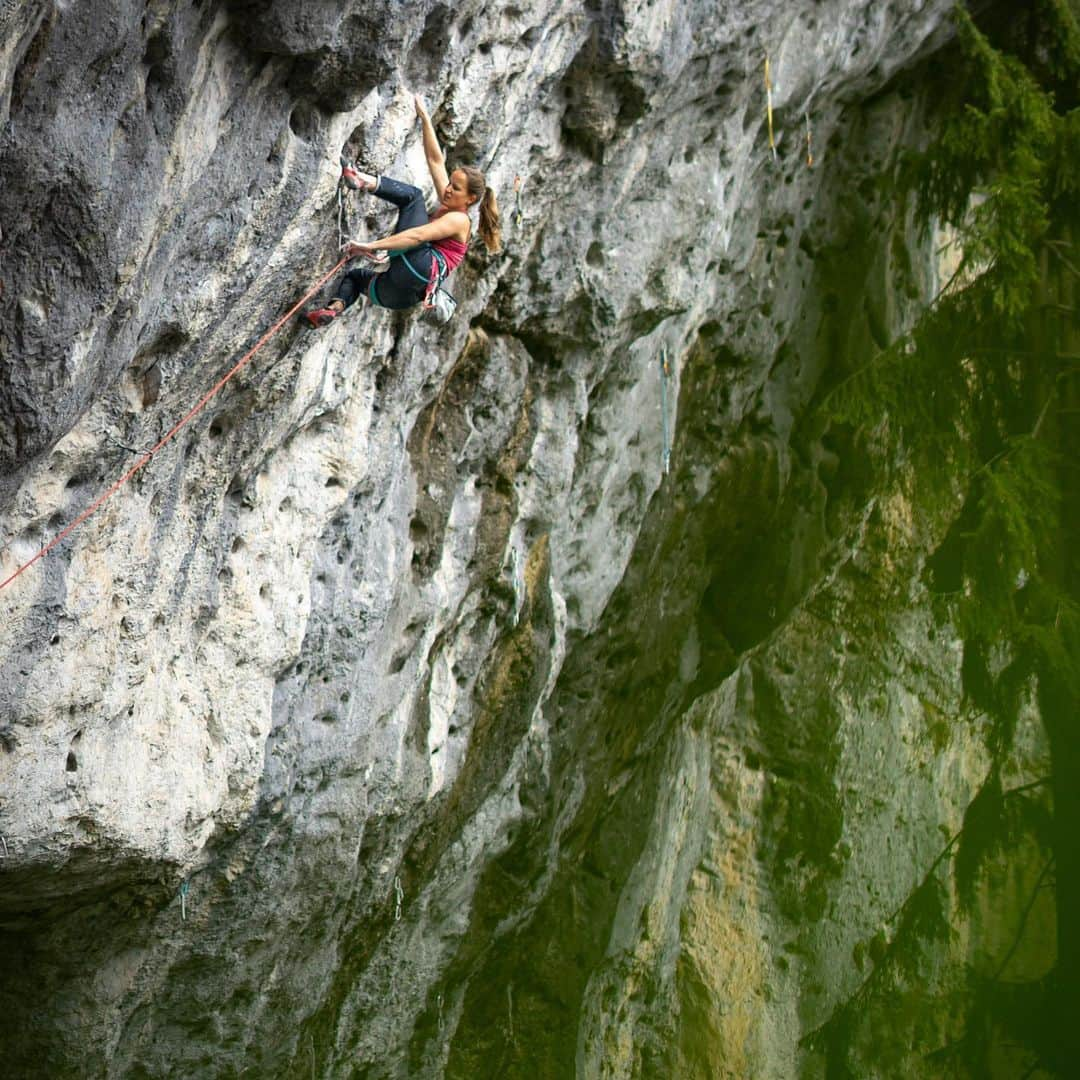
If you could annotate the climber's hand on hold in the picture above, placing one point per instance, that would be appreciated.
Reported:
(352, 248)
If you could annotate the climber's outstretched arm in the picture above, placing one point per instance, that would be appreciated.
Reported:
(452, 225)
(435, 161)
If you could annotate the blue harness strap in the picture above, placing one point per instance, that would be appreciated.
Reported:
(412, 269)
(441, 271)
(437, 255)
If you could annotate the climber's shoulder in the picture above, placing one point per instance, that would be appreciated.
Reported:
(450, 223)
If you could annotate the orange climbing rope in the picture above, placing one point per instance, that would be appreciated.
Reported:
(96, 504)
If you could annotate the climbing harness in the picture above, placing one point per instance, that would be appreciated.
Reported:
(665, 374)
(438, 302)
(198, 408)
(768, 101)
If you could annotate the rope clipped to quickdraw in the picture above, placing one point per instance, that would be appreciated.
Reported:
(190, 415)
(768, 105)
(399, 895)
(349, 180)
(183, 901)
(809, 147)
(665, 374)
(342, 219)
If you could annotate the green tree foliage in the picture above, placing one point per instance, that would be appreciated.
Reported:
(978, 401)
(975, 393)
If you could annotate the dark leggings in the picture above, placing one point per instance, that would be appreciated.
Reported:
(398, 287)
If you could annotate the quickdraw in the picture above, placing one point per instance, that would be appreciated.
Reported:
(768, 105)
(348, 181)
(519, 185)
(665, 374)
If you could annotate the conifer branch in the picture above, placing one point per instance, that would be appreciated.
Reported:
(965, 382)
(1054, 246)
(1042, 416)
(1024, 918)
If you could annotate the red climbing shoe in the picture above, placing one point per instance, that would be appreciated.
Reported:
(321, 316)
(351, 178)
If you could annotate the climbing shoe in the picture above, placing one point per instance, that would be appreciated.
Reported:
(321, 316)
(351, 178)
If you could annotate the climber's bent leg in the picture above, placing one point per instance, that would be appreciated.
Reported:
(408, 199)
(352, 286)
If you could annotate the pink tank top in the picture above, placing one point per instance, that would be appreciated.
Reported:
(453, 251)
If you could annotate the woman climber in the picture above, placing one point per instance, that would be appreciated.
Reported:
(419, 242)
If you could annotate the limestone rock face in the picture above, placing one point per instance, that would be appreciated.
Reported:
(402, 716)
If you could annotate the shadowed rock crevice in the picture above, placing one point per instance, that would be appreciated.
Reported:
(603, 95)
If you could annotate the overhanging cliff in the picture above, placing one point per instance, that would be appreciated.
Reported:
(403, 717)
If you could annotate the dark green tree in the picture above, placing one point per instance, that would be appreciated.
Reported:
(982, 399)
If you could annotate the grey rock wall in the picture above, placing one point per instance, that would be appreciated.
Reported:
(402, 717)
